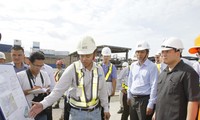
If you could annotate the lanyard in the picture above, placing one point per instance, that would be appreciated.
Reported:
(30, 77)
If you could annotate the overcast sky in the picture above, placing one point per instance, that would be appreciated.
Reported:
(59, 24)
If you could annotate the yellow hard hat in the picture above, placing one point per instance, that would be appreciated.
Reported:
(193, 49)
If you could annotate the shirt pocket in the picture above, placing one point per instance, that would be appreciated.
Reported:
(173, 86)
(159, 85)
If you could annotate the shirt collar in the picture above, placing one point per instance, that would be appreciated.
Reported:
(146, 62)
(83, 67)
(105, 64)
(178, 65)
(23, 65)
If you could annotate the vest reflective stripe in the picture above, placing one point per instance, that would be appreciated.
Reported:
(109, 72)
(158, 66)
(124, 86)
(83, 102)
(57, 75)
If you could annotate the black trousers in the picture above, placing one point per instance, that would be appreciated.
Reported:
(102, 110)
(138, 108)
(66, 109)
(125, 113)
(49, 113)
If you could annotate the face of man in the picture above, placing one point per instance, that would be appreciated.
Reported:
(17, 56)
(141, 55)
(106, 59)
(87, 60)
(59, 66)
(157, 58)
(170, 57)
(36, 66)
(2, 61)
(26, 61)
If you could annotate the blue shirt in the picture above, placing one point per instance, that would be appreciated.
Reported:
(113, 74)
(143, 81)
(24, 67)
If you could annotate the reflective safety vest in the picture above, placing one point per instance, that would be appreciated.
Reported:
(158, 66)
(124, 86)
(83, 102)
(109, 72)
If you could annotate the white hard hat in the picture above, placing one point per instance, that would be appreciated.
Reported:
(172, 43)
(158, 53)
(124, 64)
(86, 46)
(106, 51)
(2, 55)
(142, 45)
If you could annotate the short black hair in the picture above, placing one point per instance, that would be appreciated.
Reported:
(17, 47)
(36, 56)
(41, 51)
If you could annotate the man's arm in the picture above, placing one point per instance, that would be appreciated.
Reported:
(114, 78)
(114, 86)
(153, 84)
(192, 110)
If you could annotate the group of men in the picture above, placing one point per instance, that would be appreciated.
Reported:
(32, 74)
(172, 92)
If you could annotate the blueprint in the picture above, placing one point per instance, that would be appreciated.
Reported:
(13, 103)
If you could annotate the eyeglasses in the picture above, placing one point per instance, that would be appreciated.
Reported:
(38, 65)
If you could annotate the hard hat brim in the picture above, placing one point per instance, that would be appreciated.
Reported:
(163, 49)
(139, 49)
(193, 49)
(85, 52)
(106, 54)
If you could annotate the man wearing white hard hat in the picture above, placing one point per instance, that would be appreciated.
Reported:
(86, 84)
(178, 90)
(123, 82)
(2, 58)
(110, 73)
(120, 80)
(142, 84)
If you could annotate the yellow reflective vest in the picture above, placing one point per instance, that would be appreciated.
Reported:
(83, 102)
(124, 86)
(109, 72)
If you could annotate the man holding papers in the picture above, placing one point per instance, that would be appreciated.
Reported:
(35, 82)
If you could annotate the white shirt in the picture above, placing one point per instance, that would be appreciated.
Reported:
(50, 73)
(24, 82)
(123, 76)
(68, 81)
(143, 81)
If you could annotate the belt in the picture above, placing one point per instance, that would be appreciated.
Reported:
(86, 109)
(140, 96)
